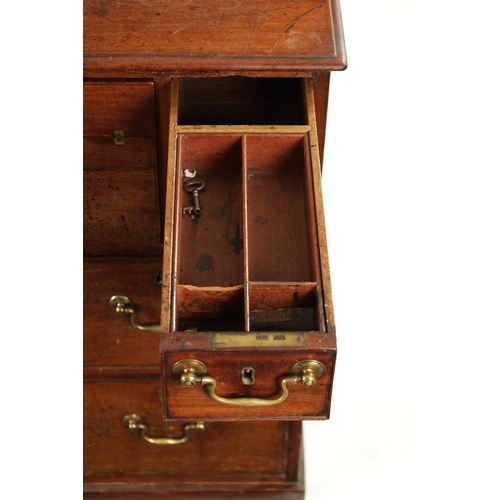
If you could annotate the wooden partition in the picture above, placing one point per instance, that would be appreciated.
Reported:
(249, 260)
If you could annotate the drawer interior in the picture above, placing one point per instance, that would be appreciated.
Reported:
(249, 260)
(241, 100)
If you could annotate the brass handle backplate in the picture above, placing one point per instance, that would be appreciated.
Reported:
(190, 371)
(123, 305)
(134, 421)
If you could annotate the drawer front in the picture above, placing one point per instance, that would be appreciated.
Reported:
(222, 451)
(109, 339)
(103, 153)
(246, 275)
(121, 177)
(121, 208)
(127, 106)
(248, 385)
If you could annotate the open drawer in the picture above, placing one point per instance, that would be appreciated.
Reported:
(247, 317)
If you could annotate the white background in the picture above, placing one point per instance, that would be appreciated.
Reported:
(411, 182)
(411, 190)
(371, 182)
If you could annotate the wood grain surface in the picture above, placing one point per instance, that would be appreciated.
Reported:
(235, 450)
(109, 340)
(226, 366)
(216, 35)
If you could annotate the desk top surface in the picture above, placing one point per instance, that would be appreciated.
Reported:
(208, 35)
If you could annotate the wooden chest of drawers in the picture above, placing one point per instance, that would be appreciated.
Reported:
(207, 299)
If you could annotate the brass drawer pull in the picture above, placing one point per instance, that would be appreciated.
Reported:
(135, 422)
(190, 371)
(123, 305)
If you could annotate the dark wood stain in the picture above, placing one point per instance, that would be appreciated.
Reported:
(205, 262)
(237, 241)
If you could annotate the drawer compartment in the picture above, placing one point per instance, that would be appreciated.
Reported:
(121, 178)
(109, 339)
(253, 249)
(281, 233)
(221, 453)
(247, 278)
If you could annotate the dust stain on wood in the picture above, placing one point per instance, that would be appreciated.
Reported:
(237, 241)
(205, 262)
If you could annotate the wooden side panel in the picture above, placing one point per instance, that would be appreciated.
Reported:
(320, 214)
(321, 92)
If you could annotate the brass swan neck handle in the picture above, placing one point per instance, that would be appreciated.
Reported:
(190, 371)
(123, 305)
(211, 384)
(134, 421)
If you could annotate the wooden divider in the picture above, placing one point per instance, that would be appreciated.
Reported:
(249, 260)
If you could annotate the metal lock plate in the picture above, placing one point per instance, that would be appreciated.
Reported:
(119, 137)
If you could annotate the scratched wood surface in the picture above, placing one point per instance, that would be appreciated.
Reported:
(218, 35)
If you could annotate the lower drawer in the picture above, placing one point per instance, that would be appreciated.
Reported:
(221, 457)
